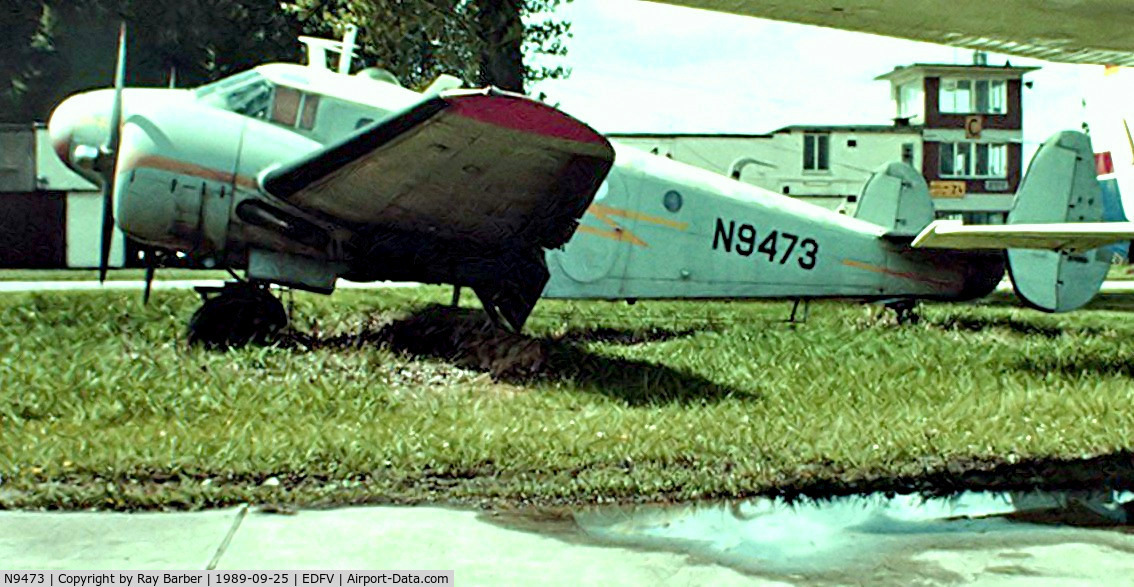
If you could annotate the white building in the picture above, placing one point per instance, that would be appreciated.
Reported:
(825, 165)
(961, 125)
(50, 217)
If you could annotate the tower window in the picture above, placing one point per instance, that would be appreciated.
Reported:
(973, 160)
(967, 96)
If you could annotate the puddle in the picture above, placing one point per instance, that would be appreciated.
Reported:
(773, 536)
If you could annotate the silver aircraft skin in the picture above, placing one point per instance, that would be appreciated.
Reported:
(300, 175)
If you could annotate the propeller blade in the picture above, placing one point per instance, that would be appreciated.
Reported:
(151, 268)
(110, 156)
(107, 229)
(119, 84)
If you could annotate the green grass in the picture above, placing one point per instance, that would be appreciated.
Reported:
(113, 274)
(102, 404)
(1120, 272)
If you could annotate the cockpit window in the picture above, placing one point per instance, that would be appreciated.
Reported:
(252, 95)
(285, 110)
(251, 99)
(247, 93)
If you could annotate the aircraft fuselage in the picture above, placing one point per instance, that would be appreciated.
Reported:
(656, 229)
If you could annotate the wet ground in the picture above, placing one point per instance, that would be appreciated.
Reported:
(879, 537)
(1025, 538)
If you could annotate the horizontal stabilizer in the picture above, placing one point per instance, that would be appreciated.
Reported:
(1054, 234)
(1057, 236)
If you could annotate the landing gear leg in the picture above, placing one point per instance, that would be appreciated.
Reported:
(795, 307)
(456, 301)
(490, 310)
(905, 311)
(236, 314)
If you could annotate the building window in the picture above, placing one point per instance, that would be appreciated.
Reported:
(908, 153)
(967, 96)
(815, 150)
(974, 160)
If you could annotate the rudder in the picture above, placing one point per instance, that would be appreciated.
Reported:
(1060, 186)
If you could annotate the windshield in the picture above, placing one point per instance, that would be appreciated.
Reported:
(248, 93)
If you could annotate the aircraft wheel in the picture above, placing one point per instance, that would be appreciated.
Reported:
(908, 315)
(240, 314)
(905, 312)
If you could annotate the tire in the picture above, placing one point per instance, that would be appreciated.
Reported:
(236, 318)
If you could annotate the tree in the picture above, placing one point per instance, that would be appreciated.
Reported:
(58, 47)
(481, 41)
(25, 48)
(53, 48)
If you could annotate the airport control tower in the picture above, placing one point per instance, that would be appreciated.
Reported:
(971, 122)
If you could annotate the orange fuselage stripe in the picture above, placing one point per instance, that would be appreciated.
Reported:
(616, 232)
(170, 165)
(900, 274)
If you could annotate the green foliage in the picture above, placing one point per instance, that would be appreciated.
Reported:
(25, 47)
(480, 41)
(52, 48)
(101, 403)
(57, 47)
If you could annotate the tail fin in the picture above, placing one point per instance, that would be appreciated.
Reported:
(896, 197)
(1112, 203)
(1060, 187)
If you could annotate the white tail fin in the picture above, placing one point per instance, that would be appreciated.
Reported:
(1060, 188)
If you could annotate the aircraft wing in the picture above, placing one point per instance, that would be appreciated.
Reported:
(1057, 236)
(467, 187)
(483, 167)
(1073, 31)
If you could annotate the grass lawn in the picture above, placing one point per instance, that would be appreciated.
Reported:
(1120, 272)
(383, 396)
(112, 275)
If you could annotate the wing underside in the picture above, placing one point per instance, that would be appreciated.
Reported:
(1079, 31)
(466, 188)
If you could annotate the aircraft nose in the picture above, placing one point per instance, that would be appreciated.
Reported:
(80, 122)
(61, 128)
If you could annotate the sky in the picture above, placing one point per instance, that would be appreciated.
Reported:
(647, 67)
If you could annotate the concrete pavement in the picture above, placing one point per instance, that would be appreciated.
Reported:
(389, 538)
(485, 553)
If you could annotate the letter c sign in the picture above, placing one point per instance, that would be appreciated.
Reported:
(973, 126)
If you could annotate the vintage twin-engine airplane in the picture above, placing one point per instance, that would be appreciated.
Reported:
(300, 175)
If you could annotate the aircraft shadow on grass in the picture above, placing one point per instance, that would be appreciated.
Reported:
(1078, 365)
(1013, 325)
(463, 337)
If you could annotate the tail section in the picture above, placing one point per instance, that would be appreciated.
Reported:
(1113, 210)
(896, 197)
(1056, 237)
(1060, 187)
(1108, 114)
